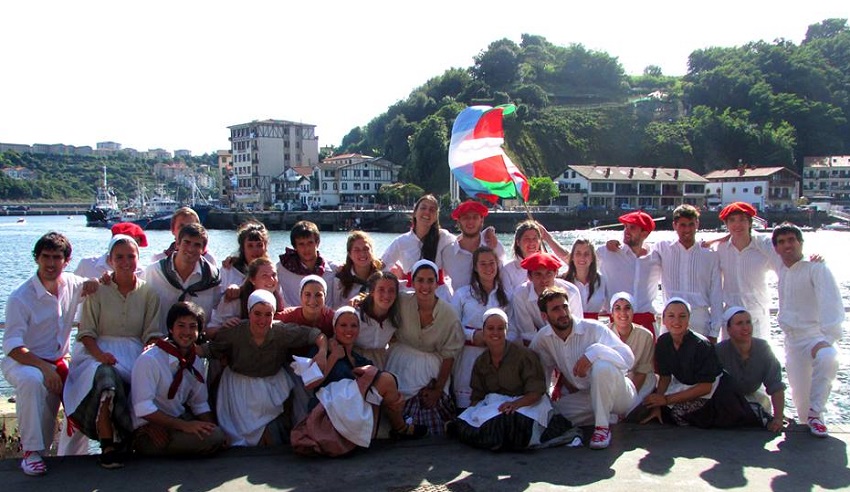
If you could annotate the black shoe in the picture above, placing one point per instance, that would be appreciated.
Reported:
(111, 460)
(410, 431)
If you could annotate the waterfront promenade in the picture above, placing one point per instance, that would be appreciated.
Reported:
(650, 457)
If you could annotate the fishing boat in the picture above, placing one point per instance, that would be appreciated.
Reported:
(105, 209)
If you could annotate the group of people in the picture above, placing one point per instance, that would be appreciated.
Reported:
(443, 333)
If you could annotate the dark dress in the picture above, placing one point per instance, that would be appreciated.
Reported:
(694, 362)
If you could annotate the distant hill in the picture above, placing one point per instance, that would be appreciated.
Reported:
(763, 104)
(76, 178)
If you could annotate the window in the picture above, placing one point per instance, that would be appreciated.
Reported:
(356, 186)
(365, 173)
(344, 186)
(746, 190)
(365, 186)
(334, 186)
(324, 186)
(356, 173)
(734, 189)
(602, 187)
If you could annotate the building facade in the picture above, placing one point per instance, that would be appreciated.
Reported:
(352, 180)
(762, 187)
(629, 188)
(827, 176)
(262, 150)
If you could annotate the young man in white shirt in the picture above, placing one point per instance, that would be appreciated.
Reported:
(36, 342)
(457, 257)
(592, 362)
(810, 315)
(186, 275)
(301, 260)
(182, 217)
(692, 272)
(631, 267)
(171, 413)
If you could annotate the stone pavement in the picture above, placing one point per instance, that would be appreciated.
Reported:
(646, 458)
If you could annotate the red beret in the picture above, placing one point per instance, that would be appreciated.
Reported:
(639, 218)
(539, 261)
(744, 208)
(470, 206)
(132, 230)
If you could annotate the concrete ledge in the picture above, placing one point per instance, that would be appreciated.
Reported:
(651, 457)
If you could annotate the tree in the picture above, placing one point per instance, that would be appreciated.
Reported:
(828, 28)
(429, 146)
(653, 71)
(542, 189)
(498, 66)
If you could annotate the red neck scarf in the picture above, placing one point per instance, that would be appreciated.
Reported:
(186, 363)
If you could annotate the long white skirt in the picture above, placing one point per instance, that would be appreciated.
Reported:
(351, 415)
(413, 368)
(247, 404)
(462, 374)
(83, 366)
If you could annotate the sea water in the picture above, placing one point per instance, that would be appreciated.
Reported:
(17, 264)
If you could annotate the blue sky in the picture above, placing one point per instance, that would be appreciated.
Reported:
(175, 74)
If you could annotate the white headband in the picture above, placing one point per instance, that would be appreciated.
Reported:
(732, 311)
(120, 237)
(677, 300)
(344, 309)
(624, 296)
(262, 296)
(313, 278)
(495, 312)
(424, 263)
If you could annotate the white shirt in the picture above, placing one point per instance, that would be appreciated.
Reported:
(744, 274)
(470, 310)
(526, 317)
(512, 274)
(810, 303)
(457, 262)
(153, 373)
(168, 295)
(694, 275)
(625, 272)
(374, 334)
(340, 298)
(230, 276)
(588, 338)
(406, 249)
(40, 321)
(598, 302)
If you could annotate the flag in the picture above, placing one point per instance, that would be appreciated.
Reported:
(476, 158)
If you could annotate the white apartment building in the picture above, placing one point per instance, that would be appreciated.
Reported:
(629, 187)
(262, 150)
(761, 187)
(352, 180)
(827, 176)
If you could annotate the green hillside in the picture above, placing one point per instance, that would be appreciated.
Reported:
(763, 104)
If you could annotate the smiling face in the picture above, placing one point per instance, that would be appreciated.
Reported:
(425, 284)
(361, 254)
(190, 248)
(51, 263)
(738, 224)
(124, 259)
(487, 266)
(265, 278)
(346, 329)
(180, 221)
(261, 316)
(184, 332)
(426, 213)
(529, 243)
(384, 295)
(686, 229)
(676, 319)
(622, 313)
(495, 329)
(582, 256)
(789, 248)
(740, 327)
(312, 298)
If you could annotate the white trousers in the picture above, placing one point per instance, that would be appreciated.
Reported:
(810, 378)
(35, 406)
(611, 392)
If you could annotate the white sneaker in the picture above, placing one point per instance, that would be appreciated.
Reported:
(817, 428)
(601, 438)
(33, 464)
